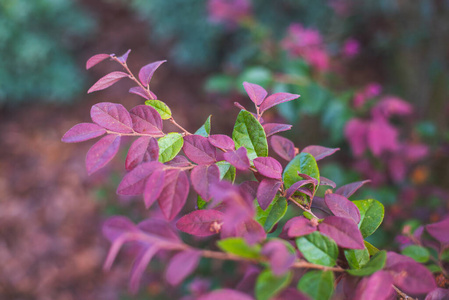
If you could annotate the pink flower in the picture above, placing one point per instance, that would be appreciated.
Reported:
(391, 105)
(351, 47)
(229, 12)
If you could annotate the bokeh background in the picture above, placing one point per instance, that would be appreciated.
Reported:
(357, 64)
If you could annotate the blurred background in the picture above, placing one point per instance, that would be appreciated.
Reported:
(372, 75)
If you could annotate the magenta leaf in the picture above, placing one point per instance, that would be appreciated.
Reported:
(276, 99)
(438, 294)
(140, 263)
(319, 152)
(107, 80)
(153, 187)
(112, 116)
(299, 226)
(146, 72)
(255, 92)
(273, 128)
(116, 226)
(291, 294)
(222, 141)
(95, 60)
(320, 208)
(349, 189)
(439, 231)
(144, 149)
(239, 106)
(268, 167)
(134, 182)
(82, 132)
(181, 265)
(102, 152)
(266, 192)
(279, 256)
(203, 177)
(199, 150)
(283, 147)
(174, 194)
(139, 91)
(251, 231)
(159, 228)
(179, 161)
(343, 231)
(146, 120)
(342, 207)
(201, 222)
(378, 286)
(297, 186)
(124, 57)
(238, 158)
(225, 294)
(327, 181)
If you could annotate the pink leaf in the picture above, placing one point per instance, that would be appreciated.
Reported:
(153, 187)
(203, 177)
(179, 161)
(82, 132)
(279, 257)
(226, 294)
(356, 133)
(378, 286)
(276, 99)
(181, 265)
(299, 226)
(255, 92)
(112, 116)
(159, 228)
(222, 141)
(139, 91)
(251, 231)
(438, 294)
(343, 231)
(95, 60)
(146, 72)
(199, 149)
(134, 182)
(146, 120)
(174, 194)
(342, 207)
(297, 186)
(328, 182)
(124, 57)
(439, 231)
(291, 294)
(283, 147)
(107, 80)
(201, 222)
(268, 167)
(144, 149)
(319, 152)
(139, 266)
(238, 158)
(349, 189)
(382, 136)
(116, 226)
(102, 152)
(273, 128)
(266, 192)
(239, 106)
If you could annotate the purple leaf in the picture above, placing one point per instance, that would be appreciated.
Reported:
(199, 150)
(238, 158)
(144, 149)
(343, 231)
(255, 92)
(438, 294)
(159, 228)
(378, 286)
(95, 60)
(251, 231)
(134, 182)
(266, 192)
(124, 57)
(225, 294)
(102, 152)
(291, 294)
(439, 231)
(297, 187)
(283, 147)
(179, 161)
(276, 99)
(112, 116)
(116, 226)
(328, 182)
(146, 72)
(239, 106)
(279, 257)
(107, 80)
(273, 128)
(174, 194)
(203, 177)
(249, 187)
(319, 152)
(82, 132)
(222, 141)
(201, 222)
(320, 208)
(299, 226)
(139, 266)
(268, 167)
(342, 207)
(146, 120)
(139, 91)
(153, 187)
(349, 189)
(181, 265)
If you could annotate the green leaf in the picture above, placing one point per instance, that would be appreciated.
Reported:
(169, 146)
(318, 249)
(376, 263)
(227, 171)
(249, 133)
(319, 285)
(357, 258)
(200, 202)
(268, 285)
(418, 253)
(219, 84)
(371, 249)
(238, 246)
(371, 215)
(308, 215)
(303, 163)
(273, 214)
(204, 130)
(258, 75)
(434, 268)
(161, 108)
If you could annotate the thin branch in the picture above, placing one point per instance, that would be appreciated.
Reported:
(402, 294)
(179, 126)
(133, 78)
(134, 133)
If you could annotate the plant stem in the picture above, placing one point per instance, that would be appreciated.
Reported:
(179, 126)
(134, 134)
(402, 294)
(133, 78)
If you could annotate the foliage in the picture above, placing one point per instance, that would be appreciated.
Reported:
(235, 213)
